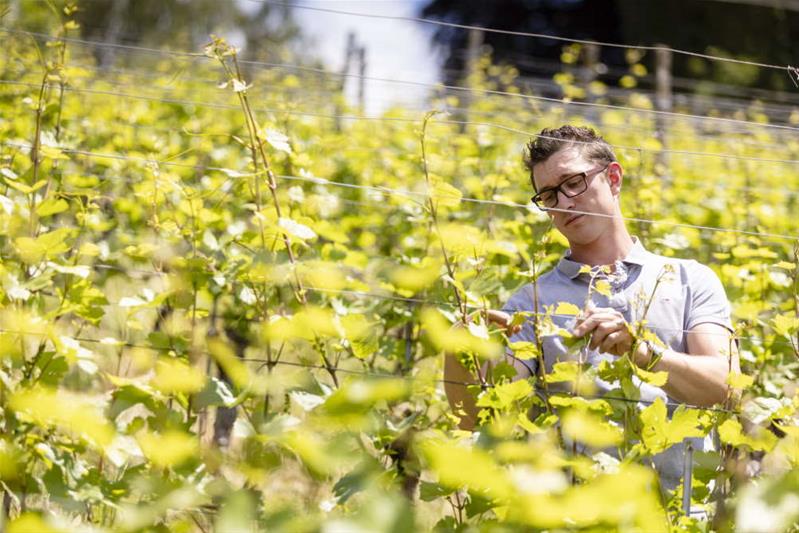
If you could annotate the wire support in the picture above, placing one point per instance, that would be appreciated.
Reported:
(428, 301)
(439, 86)
(212, 105)
(399, 192)
(420, 20)
(110, 342)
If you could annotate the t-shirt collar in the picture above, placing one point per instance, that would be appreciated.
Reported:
(635, 256)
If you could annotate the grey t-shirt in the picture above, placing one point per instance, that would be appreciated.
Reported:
(689, 295)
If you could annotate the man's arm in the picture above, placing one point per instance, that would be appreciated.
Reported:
(698, 377)
(456, 377)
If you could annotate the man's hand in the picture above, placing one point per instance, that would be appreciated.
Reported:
(610, 333)
(501, 319)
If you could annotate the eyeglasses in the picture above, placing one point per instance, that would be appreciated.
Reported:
(570, 187)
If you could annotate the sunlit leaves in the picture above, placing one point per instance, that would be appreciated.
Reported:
(447, 460)
(175, 376)
(447, 338)
(415, 278)
(731, 432)
(78, 415)
(590, 429)
(659, 432)
(45, 246)
(167, 449)
(585, 505)
(146, 305)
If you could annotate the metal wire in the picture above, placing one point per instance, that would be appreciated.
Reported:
(444, 86)
(524, 34)
(232, 173)
(379, 375)
(674, 129)
(396, 119)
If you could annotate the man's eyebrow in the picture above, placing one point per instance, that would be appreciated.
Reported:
(561, 179)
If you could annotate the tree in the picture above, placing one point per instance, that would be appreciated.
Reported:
(706, 27)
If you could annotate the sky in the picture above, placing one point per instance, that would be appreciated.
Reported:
(394, 49)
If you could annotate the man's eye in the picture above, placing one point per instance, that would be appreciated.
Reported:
(547, 197)
(573, 183)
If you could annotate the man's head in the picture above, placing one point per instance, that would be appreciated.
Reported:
(573, 169)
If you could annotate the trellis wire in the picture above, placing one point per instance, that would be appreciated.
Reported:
(453, 87)
(674, 129)
(397, 119)
(406, 299)
(233, 174)
(525, 34)
(111, 343)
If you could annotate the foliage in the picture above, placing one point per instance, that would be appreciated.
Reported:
(218, 312)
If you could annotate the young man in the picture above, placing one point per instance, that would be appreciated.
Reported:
(578, 181)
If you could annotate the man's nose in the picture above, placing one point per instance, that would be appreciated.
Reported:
(565, 202)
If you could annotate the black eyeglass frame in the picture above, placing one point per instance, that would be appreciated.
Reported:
(557, 188)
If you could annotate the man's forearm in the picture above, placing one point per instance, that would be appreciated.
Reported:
(695, 379)
(460, 399)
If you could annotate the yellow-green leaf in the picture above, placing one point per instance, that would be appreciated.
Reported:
(739, 381)
(567, 308)
(52, 206)
(590, 429)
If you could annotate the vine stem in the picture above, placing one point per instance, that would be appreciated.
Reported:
(461, 301)
(220, 50)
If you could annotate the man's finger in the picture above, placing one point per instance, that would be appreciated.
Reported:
(601, 332)
(591, 322)
(612, 343)
(500, 318)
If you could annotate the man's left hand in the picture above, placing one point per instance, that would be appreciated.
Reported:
(610, 333)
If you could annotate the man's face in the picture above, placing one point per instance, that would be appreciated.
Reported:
(600, 197)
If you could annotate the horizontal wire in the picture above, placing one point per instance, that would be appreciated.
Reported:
(523, 34)
(232, 173)
(393, 297)
(147, 73)
(337, 88)
(266, 362)
(392, 119)
(351, 292)
(439, 86)
(152, 129)
(673, 130)
(542, 392)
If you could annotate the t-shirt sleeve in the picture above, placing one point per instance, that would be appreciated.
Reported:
(708, 301)
(521, 301)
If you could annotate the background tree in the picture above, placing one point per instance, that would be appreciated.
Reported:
(685, 24)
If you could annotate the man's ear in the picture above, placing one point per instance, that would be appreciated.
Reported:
(615, 176)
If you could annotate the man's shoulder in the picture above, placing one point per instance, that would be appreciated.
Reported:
(686, 268)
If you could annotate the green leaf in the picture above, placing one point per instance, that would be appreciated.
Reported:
(445, 195)
(565, 371)
(296, 230)
(447, 460)
(237, 513)
(429, 491)
(659, 433)
(566, 308)
(52, 206)
(591, 429)
(739, 381)
(657, 379)
(602, 287)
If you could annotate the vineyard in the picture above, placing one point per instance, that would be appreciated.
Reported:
(226, 295)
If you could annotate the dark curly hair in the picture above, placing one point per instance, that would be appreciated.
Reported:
(552, 140)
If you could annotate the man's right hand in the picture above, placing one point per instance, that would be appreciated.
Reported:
(500, 319)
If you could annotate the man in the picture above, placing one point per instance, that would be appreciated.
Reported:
(578, 182)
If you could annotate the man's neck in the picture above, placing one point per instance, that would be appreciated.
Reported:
(605, 250)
